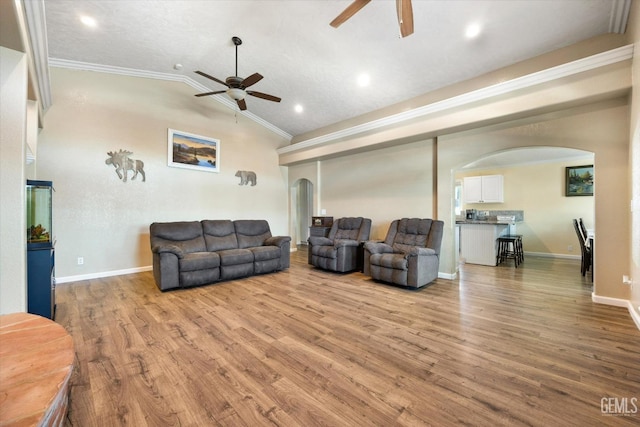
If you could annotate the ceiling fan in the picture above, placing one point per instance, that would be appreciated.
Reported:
(403, 8)
(236, 86)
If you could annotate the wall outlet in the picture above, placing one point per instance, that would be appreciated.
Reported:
(80, 260)
(323, 212)
(627, 280)
(570, 248)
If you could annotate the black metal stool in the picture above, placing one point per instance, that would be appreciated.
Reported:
(510, 247)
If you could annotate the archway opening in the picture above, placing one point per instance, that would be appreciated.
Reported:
(534, 182)
(302, 210)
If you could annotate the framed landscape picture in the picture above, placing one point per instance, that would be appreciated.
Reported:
(579, 180)
(189, 151)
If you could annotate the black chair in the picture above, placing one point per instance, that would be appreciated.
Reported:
(583, 229)
(584, 248)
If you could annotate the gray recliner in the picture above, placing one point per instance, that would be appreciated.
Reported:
(339, 250)
(409, 255)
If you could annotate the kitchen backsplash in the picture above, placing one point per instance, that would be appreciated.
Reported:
(493, 215)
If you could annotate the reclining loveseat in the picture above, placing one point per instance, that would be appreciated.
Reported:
(201, 252)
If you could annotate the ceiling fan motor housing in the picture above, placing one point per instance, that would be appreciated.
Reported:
(234, 81)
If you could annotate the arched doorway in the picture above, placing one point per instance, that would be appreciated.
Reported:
(534, 182)
(302, 210)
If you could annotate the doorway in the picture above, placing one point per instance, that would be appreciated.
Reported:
(303, 209)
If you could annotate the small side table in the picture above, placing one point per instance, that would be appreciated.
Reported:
(36, 363)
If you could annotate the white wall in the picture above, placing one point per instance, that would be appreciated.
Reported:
(382, 185)
(634, 155)
(13, 125)
(105, 220)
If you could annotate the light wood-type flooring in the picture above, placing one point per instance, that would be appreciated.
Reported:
(305, 347)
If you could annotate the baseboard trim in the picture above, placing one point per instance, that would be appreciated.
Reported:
(78, 278)
(550, 255)
(447, 276)
(635, 314)
(618, 302)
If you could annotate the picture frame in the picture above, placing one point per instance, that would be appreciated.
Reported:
(579, 180)
(190, 151)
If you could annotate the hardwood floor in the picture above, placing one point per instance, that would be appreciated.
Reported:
(306, 347)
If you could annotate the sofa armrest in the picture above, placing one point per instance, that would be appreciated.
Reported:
(284, 243)
(320, 241)
(276, 240)
(417, 251)
(378, 248)
(174, 249)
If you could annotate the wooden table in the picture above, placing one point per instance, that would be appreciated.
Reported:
(36, 362)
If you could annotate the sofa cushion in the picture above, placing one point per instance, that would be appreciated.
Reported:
(251, 232)
(199, 261)
(186, 235)
(235, 256)
(219, 234)
(265, 253)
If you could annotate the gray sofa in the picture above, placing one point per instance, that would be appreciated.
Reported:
(409, 255)
(339, 250)
(201, 252)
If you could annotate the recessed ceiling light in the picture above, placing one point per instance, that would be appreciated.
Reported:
(472, 31)
(364, 80)
(298, 108)
(88, 21)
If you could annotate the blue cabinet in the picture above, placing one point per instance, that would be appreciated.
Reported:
(41, 286)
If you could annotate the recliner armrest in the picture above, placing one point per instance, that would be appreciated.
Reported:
(320, 241)
(378, 248)
(176, 250)
(418, 251)
(342, 243)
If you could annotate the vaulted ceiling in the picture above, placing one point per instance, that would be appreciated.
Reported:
(308, 63)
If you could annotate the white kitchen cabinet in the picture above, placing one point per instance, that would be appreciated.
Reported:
(483, 189)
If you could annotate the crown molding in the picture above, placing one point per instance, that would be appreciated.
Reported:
(37, 32)
(619, 16)
(565, 70)
(132, 72)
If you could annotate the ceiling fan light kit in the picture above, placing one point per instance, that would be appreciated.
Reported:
(236, 94)
(237, 85)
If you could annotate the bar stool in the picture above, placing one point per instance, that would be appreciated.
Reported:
(510, 247)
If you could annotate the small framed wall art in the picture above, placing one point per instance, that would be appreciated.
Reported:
(579, 181)
(190, 151)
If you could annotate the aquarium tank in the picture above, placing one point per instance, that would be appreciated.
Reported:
(39, 214)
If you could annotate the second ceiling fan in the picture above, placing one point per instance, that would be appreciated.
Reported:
(237, 86)
(403, 8)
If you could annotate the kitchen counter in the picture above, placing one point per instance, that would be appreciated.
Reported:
(478, 239)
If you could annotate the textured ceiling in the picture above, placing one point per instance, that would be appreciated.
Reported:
(304, 60)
